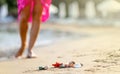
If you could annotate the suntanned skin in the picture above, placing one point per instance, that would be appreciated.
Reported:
(36, 14)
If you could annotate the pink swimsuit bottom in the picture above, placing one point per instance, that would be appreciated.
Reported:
(45, 5)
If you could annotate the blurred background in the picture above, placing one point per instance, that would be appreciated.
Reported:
(98, 13)
(78, 11)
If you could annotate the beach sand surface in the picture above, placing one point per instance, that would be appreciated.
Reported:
(99, 53)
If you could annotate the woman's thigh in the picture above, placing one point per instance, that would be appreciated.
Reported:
(25, 13)
(37, 9)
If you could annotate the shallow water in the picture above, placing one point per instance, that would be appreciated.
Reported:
(10, 41)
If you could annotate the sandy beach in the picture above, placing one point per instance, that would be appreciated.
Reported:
(99, 53)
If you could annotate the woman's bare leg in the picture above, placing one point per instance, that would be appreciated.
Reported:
(37, 12)
(25, 13)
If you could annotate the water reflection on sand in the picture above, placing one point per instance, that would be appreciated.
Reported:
(10, 41)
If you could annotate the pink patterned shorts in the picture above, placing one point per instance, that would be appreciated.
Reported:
(45, 3)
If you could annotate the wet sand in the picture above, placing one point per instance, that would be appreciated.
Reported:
(99, 53)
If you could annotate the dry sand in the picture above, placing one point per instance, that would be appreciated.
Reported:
(99, 53)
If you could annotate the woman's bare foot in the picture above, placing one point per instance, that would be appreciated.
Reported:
(31, 54)
(20, 52)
